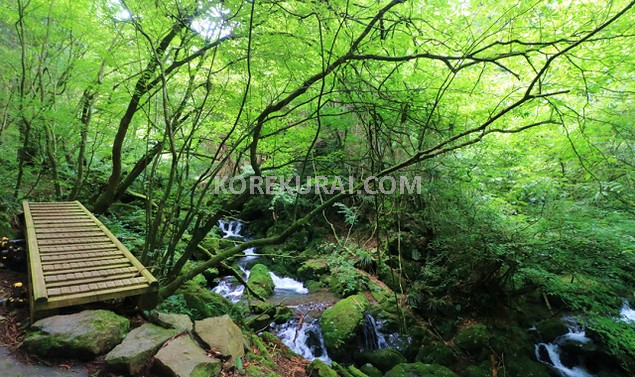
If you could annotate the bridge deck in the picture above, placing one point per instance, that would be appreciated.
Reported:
(74, 259)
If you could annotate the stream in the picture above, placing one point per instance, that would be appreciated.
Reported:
(302, 333)
(565, 355)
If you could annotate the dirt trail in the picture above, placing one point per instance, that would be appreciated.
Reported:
(11, 367)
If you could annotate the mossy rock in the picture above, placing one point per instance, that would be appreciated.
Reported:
(260, 280)
(483, 369)
(203, 303)
(371, 371)
(550, 329)
(523, 366)
(474, 340)
(82, 335)
(435, 353)
(313, 269)
(340, 324)
(384, 360)
(420, 370)
(319, 368)
(278, 314)
(313, 285)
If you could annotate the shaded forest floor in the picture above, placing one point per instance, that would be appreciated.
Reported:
(14, 322)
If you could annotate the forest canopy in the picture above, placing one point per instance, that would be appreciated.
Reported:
(518, 116)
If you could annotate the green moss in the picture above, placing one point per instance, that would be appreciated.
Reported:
(340, 323)
(523, 366)
(313, 285)
(319, 368)
(474, 340)
(313, 269)
(260, 280)
(420, 370)
(435, 353)
(371, 371)
(550, 329)
(483, 369)
(203, 303)
(384, 360)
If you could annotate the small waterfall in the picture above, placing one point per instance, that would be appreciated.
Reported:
(305, 339)
(627, 314)
(371, 338)
(232, 229)
(288, 284)
(551, 354)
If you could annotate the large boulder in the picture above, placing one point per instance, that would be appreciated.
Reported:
(134, 353)
(223, 335)
(340, 324)
(550, 329)
(180, 322)
(384, 360)
(182, 357)
(420, 370)
(83, 335)
(260, 281)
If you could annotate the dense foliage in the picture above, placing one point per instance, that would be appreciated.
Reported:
(517, 117)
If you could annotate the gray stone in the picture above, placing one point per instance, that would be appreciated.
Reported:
(83, 335)
(134, 353)
(179, 322)
(222, 334)
(182, 357)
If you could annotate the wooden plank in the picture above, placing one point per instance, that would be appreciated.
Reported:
(88, 247)
(66, 265)
(144, 271)
(75, 255)
(36, 274)
(110, 278)
(74, 270)
(88, 297)
(63, 221)
(72, 241)
(74, 258)
(53, 228)
(66, 235)
(90, 274)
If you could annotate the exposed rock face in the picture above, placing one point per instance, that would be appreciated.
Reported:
(340, 324)
(83, 335)
(260, 281)
(223, 335)
(179, 322)
(136, 350)
(182, 357)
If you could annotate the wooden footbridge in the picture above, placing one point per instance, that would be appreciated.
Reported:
(74, 259)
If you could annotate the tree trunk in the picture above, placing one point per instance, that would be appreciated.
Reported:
(142, 87)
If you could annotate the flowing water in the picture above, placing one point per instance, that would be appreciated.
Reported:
(373, 339)
(551, 353)
(627, 314)
(302, 333)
